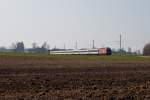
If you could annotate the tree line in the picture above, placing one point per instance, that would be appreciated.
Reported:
(20, 47)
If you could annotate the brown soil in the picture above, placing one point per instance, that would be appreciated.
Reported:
(27, 78)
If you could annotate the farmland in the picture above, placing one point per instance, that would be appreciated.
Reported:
(73, 77)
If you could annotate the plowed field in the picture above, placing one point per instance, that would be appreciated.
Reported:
(41, 78)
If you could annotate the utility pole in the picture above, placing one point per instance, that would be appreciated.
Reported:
(64, 46)
(76, 45)
(93, 44)
(120, 44)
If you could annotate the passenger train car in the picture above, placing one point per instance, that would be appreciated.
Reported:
(100, 51)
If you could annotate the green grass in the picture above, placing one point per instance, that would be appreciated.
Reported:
(79, 57)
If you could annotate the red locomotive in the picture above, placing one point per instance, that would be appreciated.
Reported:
(104, 51)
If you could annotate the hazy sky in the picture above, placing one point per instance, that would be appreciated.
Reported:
(68, 21)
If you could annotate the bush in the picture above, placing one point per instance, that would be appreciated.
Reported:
(146, 50)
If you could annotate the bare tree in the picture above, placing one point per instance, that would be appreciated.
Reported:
(34, 45)
(45, 45)
(129, 50)
(13, 46)
(146, 50)
(20, 47)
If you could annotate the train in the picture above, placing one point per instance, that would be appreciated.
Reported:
(99, 51)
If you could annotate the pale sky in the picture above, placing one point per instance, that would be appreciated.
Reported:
(62, 22)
